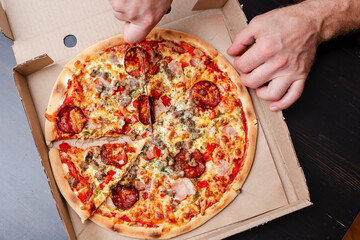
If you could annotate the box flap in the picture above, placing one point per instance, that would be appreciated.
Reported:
(34, 65)
(4, 24)
(44, 33)
(233, 10)
(209, 4)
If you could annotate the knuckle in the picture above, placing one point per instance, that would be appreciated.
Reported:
(132, 15)
(251, 83)
(238, 35)
(255, 20)
(267, 49)
(246, 79)
(275, 94)
(117, 6)
(149, 20)
(295, 67)
(261, 93)
(282, 61)
(240, 65)
(297, 93)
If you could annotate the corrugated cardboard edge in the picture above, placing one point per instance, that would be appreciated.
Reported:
(4, 24)
(20, 72)
(33, 65)
(281, 148)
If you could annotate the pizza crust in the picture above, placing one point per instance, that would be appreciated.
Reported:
(55, 101)
(63, 184)
(176, 36)
(166, 231)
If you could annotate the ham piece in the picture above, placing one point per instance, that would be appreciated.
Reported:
(222, 168)
(229, 131)
(159, 108)
(183, 187)
(175, 67)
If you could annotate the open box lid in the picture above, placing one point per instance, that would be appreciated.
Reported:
(39, 28)
(4, 24)
(36, 34)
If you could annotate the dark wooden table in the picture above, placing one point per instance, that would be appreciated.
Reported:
(324, 126)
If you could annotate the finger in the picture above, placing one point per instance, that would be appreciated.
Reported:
(250, 60)
(117, 6)
(241, 42)
(275, 90)
(292, 95)
(134, 33)
(264, 73)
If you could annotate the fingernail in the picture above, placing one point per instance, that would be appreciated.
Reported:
(274, 109)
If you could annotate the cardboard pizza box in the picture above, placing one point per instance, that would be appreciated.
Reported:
(276, 185)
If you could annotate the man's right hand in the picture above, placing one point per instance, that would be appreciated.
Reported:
(140, 16)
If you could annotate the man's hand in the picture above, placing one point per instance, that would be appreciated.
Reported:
(278, 49)
(140, 16)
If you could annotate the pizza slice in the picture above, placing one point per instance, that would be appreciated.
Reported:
(152, 200)
(162, 195)
(97, 96)
(86, 176)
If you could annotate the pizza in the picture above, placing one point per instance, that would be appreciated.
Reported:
(150, 140)
(88, 175)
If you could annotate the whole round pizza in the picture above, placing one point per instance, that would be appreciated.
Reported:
(167, 130)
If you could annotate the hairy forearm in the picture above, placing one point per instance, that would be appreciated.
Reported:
(333, 17)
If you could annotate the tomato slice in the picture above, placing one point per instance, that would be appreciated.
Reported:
(157, 152)
(203, 184)
(166, 100)
(64, 146)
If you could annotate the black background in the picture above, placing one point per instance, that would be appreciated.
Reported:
(324, 127)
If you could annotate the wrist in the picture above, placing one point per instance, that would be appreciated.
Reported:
(332, 17)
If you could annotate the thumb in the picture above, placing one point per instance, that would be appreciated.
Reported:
(134, 33)
(241, 42)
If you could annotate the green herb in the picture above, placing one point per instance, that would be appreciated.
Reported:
(96, 192)
(196, 196)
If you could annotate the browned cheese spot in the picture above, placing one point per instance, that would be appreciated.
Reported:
(115, 229)
(155, 235)
(248, 114)
(73, 198)
(59, 88)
